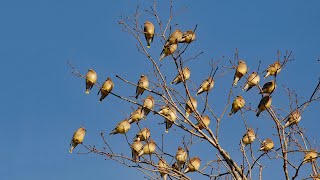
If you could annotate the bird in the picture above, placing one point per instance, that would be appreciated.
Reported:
(206, 86)
(148, 148)
(310, 156)
(174, 38)
(136, 115)
(191, 106)
(186, 75)
(91, 79)
(269, 87)
(273, 69)
(205, 121)
(106, 88)
(77, 138)
(148, 32)
(294, 118)
(163, 168)
(193, 165)
(121, 128)
(265, 103)
(266, 145)
(136, 146)
(248, 137)
(188, 37)
(181, 158)
(148, 104)
(143, 84)
(237, 104)
(143, 135)
(240, 71)
(252, 81)
(164, 110)
(171, 117)
(168, 50)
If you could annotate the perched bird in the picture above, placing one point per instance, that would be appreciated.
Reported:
(269, 87)
(148, 148)
(265, 103)
(193, 165)
(136, 115)
(174, 38)
(143, 84)
(206, 86)
(240, 71)
(191, 106)
(106, 88)
(186, 73)
(237, 104)
(121, 128)
(164, 110)
(143, 135)
(148, 104)
(273, 69)
(163, 168)
(136, 147)
(170, 119)
(252, 81)
(266, 145)
(148, 32)
(294, 118)
(310, 156)
(181, 158)
(205, 122)
(77, 138)
(188, 37)
(91, 79)
(168, 50)
(248, 137)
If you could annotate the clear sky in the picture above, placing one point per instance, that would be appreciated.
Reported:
(42, 103)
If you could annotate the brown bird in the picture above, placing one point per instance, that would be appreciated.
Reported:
(252, 81)
(248, 137)
(205, 122)
(193, 165)
(148, 104)
(77, 138)
(170, 119)
(143, 84)
(174, 38)
(269, 87)
(121, 128)
(148, 32)
(273, 69)
(181, 158)
(266, 145)
(91, 79)
(106, 88)
(191, 106)
(294, 118)
(237, 104)
(143, 135)
(136, 147)
(206, 86)
(164, 110)
(310, 156)
(188, 37)
(240, 71)
(265, 103)
(148, 148)
(136, 115)
(163, 168)
(168, 50)
(186, 74)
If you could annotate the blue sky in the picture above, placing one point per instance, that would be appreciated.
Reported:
(43, 103)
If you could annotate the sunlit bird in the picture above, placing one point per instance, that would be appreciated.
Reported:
(91, 79)
(206, 86)
(241, 70)
(273, 69)
(252, 81)
(143, 84)
(148, 32)
(193, 165)
(266, 145)
(106, 88)
(248, 137)
(185, 73)
(121, 128)
(265, 103)
(77, 138)
(237, 104)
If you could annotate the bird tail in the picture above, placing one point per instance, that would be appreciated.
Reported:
(71, 149)
(235, 81)
(246, 87)
(186, 170)
(164, 177)
(199, 91)
(87, 91)
(287, 124)
(265, 76)
(113, 132)
(162, 56)
(258, 113)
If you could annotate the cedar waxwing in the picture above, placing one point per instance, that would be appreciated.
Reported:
(135, 148)
(294, 118)
(266, 145)
(186, 73)
(174, 38)
(77, 138)
(310, 156)
(269, 87)
(205, 122)
(170, 119)
(273, 69)
(191, 106)
(143, 84)
(164, 110)
(206, 86)
(91, 79)
(168, 50)
(252, 80)
(148, 148)
(122, 127)
(136, 115)
(237, 104)
(163, 168)
(106, 88)
(265, 103)
(148, 104)
(240, 71)
(248, 137)
(143, 135)
(188, 37)
(181, 158)
(193, 165)
(148, 32)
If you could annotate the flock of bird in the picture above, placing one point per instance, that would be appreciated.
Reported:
(149, 147)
